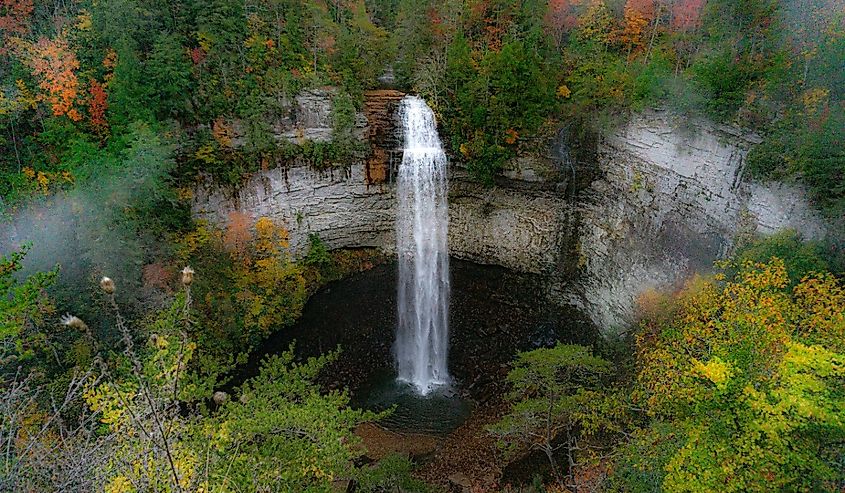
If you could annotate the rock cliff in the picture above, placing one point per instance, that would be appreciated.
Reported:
(337, 204)
(662, 199)
(672, 198)
(518, 225)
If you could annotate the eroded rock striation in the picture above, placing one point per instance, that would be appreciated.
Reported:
(346, 206)
(673, 198)
(338, 205)
(661, 199)
(513, 224)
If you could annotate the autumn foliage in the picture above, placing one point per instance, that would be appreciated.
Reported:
(237, 235)
(250, 285)
(55, 64)
(222, 133)
(97, 106)
(742, 379)
(634, 28)
(14, 20)
(561, 17)
(686, 14)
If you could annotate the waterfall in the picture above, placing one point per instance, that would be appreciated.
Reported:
(422, 221)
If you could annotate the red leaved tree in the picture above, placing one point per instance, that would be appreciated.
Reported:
(646, 8)
(561, 17)
(238, 234)
(97, 106)
(686, 14)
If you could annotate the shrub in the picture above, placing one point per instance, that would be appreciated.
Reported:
(742, 389)
(800, 258)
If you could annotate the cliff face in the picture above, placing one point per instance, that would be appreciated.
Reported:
(670, 202)
(338, 205)
(518, 225)
(308, 116)
(666, 202)
(521, 225)
(349, 206)
(381, 108)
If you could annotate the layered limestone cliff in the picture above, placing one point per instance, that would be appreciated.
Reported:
(518, 225)
(672, 199)
(346, 206)
(521, 225)
(522, 229)
(338, 205)
(662, 199)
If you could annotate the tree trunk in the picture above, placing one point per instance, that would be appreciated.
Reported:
(15, 144)
(571, 444)
(550, 453)
(653, 35)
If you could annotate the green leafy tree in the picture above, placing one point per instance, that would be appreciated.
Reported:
(724, 82)
(392, 473)
(362, 51)
(169, 71)
(774, 438)
(800, 257)
(493, 98)
(23, 306)
(554, 390)
(129, 94)
(283, 433)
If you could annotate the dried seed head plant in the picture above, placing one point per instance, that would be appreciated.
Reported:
(187, 276)
(107, 285)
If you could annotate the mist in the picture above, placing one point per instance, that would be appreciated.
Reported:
(104, 225)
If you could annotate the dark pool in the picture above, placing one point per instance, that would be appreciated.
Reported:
(437, 413)
(494, 313)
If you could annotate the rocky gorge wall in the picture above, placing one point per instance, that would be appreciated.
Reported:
(672, 199)
(346, 206)
(662, 200)
(522, 226)
(337, 204)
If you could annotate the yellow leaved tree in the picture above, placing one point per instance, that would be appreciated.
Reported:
(743, 386)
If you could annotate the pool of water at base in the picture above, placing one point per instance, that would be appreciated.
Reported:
(437, 413)
(494, 313)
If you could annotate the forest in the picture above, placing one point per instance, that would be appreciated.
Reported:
(127, 322)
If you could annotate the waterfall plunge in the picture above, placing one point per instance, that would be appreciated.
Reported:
(422, 336)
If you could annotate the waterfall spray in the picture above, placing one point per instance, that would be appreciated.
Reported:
(422, 336)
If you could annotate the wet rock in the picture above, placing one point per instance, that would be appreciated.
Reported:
(380, 442)
(461, 480)
(384, 134)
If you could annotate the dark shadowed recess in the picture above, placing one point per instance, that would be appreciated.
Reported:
(494, 313)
